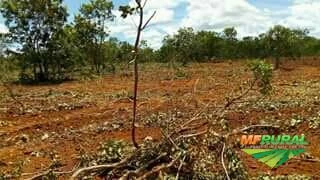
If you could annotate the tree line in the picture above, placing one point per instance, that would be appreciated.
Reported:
(279, 41)
(48, 47)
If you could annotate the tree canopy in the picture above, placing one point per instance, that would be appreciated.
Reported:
(279, 41)
(34, 24)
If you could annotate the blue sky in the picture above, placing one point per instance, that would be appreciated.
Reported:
(249, 17)
(272, 4)
(74, 5)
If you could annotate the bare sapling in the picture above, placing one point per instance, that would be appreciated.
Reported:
(127, 10)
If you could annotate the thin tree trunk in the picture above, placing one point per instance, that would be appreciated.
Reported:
(136, 76)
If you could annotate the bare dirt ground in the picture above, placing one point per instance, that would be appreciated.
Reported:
(73, 117)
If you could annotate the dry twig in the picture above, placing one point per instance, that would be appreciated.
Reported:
(159, 168)
(180, 166)
(222, 161)
(45, 173)
(99, 167)
(141, 169)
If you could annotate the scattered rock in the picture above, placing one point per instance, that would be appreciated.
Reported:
(36, 153)
(272, 107)
(148, 138)
(116, 126)
(45, 136)
(24, 138)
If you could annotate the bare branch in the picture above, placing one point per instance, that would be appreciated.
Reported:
(138, 171)
(160, 168)
(192, 135)
(45, 173)
(183, 127)
(39, 175)
(237, 131)
(259, 125)
(145, 3)
(170, 139)
(98, 167)
(136, 75)
(151, 17)
(189, 128)
(195, 86)
(180, 166)
(233, 100)
(222, 161)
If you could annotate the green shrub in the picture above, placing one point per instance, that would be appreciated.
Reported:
(262, 72)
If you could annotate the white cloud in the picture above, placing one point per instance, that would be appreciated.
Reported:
(217, 15)
(201, 15)
(163, 15)
(304, 14)
(250, 20)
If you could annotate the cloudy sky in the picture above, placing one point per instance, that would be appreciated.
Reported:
(249, 17)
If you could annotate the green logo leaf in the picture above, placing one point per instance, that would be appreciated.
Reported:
(273, 157)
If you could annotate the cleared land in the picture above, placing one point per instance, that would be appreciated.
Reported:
(68, 118)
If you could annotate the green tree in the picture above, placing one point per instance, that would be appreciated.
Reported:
(230, 49)
(283, 42)
(208, 45)
(112, 52)
(182, 45)
(65, 53)
(91, 27)
(146, 53)
(33, 24)
(250, 47)
(125, 52)
(230, 34)
(278, 42)
(310, 46)
(166, 53)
